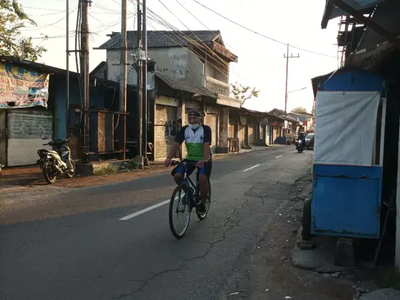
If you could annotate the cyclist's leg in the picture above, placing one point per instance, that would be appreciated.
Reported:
(203, 182)
(178, 173)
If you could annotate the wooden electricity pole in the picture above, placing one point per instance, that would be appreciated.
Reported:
(287, 57)
(84, 62)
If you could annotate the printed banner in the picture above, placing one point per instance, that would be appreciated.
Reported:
(21, 88)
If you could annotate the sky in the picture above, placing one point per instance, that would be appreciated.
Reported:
(261, 60)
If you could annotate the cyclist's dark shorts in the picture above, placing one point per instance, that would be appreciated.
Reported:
(204, 170)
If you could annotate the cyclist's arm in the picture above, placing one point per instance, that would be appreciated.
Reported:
(207, 142)
(179, 139)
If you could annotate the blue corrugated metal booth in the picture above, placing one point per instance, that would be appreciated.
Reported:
(348, 157)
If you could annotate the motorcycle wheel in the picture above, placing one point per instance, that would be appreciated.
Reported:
(48, 173)
(71, 173)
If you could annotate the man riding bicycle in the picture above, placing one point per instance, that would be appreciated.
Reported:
(198, 141)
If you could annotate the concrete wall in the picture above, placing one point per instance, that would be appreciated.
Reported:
(218, 72)
(223, 130)
(164, 138)
(3, 141)
(178, 63)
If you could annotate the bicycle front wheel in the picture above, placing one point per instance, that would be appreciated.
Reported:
(179, 211)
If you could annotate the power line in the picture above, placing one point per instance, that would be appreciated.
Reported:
(48, 25)
(260, 34)
(201, 42)
(40, 8)
(192, 15)
(240, 54)
(183, 37)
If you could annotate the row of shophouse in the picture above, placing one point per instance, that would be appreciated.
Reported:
(357, 143)
(184, 76)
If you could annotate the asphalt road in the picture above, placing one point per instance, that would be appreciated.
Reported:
(74, 245)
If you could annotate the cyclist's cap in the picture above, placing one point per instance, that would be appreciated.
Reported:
(194, 112)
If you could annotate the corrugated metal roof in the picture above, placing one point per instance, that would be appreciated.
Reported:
(185, 85)
(387, 16)
(162, 39)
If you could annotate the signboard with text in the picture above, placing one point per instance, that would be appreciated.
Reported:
(22, 88)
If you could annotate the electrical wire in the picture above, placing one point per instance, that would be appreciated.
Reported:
(181, 43)
(201, 42)
(48, 25)
(192, 15)
(183, 38)
(229, 46)
(262, 35)
(40, 8)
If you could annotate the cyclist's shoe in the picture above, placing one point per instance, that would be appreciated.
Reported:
(202, 208)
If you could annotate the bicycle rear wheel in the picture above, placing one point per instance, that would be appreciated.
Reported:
(208, 203)
(179, 211)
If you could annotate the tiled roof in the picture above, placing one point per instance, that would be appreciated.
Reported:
(162, 39)
(185, 85)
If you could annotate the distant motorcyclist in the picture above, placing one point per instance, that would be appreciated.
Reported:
(302, 136)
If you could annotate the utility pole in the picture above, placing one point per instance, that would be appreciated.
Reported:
(123, 81)
(139, 86)
(85, 77)
(67, 61)
(287, 74)
(144, 92)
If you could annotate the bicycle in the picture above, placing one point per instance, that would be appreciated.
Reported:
(185, 204)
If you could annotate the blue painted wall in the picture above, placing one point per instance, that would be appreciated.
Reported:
(353, 79)
(58, 87)
(346, 199)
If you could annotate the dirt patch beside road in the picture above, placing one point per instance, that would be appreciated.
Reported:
(272, 275)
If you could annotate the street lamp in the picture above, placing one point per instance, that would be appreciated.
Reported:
(303, 88)
(286, 99)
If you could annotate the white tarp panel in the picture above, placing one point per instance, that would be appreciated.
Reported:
(346, 128)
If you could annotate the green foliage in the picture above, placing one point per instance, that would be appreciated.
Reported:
(244, 93)
(299, 110)
(12, 20)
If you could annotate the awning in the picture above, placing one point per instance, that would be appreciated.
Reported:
(387, 16)
(332, 10)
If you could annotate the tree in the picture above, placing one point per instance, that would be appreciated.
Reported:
(12, 20)
(299, 110)
(244, 93)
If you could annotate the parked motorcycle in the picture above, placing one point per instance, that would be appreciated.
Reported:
(56, 162)
(300, 145)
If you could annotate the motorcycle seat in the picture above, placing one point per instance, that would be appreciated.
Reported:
(47, 151)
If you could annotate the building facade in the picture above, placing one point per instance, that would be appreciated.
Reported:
(191, 71)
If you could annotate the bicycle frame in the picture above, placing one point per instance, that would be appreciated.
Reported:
(190, 183)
